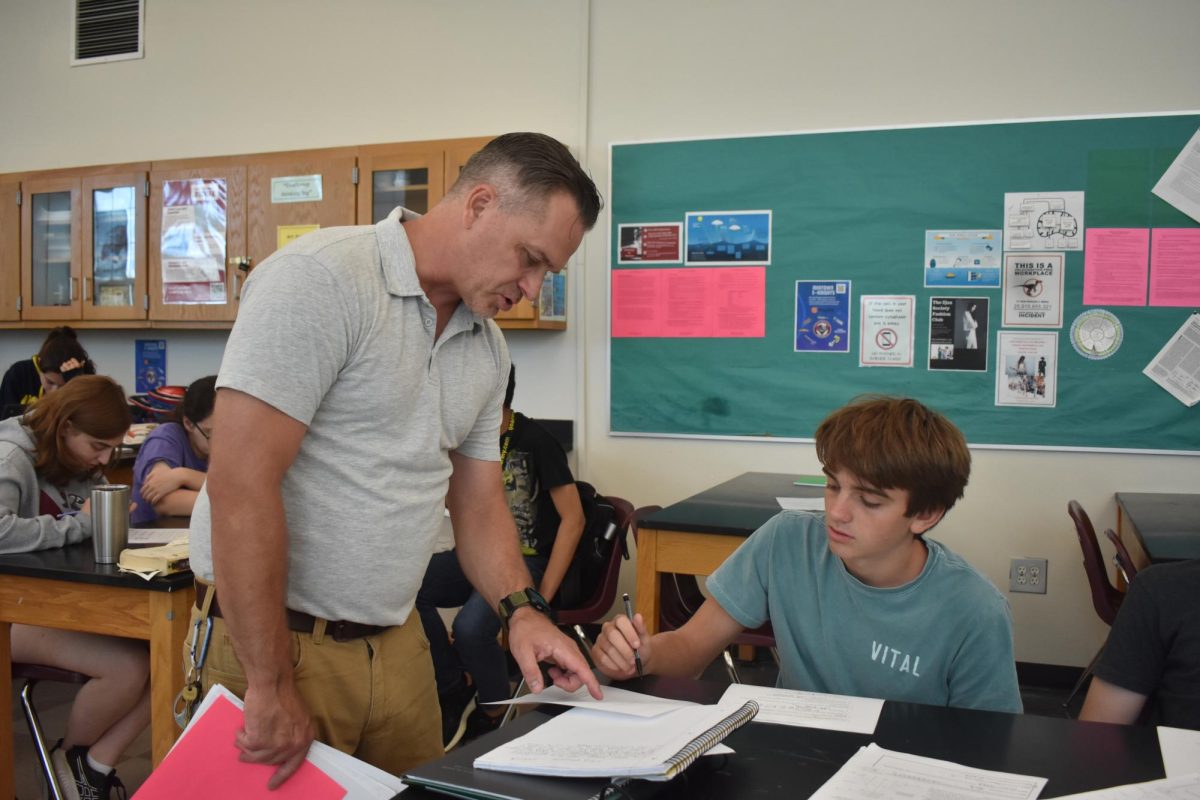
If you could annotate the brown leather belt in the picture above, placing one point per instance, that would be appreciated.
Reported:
(298, 621)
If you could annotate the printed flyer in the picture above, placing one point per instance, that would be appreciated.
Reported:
(886, 337)
(1033, 290)
(1026, 368)
(822, 317)
(958, 333)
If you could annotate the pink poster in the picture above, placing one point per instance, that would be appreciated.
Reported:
(1115, 265)
(689, 303)
(1175, 267)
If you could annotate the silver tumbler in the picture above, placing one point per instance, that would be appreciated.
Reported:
(110, 521)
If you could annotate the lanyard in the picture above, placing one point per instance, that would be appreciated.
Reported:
(512, 418)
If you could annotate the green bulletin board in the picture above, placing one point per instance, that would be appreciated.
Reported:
(855, 205)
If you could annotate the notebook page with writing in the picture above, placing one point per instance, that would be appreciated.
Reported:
(588, 743)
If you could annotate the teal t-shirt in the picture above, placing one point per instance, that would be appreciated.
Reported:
(944, 638)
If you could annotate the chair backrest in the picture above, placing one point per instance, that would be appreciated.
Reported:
(605, 594)
(1105, 597)
(1123, 560)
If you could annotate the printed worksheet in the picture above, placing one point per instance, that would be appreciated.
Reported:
(832, 712)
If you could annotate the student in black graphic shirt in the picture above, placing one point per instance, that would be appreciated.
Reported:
(545, 504)
(60, 359)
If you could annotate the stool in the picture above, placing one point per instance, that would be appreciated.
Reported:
(32, 674)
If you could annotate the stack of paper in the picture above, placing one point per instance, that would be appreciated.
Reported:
(624, 735)
(204, 764)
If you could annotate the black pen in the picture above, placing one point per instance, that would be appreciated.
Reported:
(637, 656)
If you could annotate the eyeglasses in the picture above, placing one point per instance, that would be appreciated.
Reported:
(206, 434)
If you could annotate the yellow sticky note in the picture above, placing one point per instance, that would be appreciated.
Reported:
(290, 233)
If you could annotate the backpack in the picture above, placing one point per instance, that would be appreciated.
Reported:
(600, 536)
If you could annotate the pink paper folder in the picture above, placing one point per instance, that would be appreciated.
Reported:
(204, 764)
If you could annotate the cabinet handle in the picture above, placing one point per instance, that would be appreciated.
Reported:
(74, 288)
(237, 288)
(87, 290)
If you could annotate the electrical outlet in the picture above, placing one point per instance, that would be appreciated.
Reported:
(1027, 575)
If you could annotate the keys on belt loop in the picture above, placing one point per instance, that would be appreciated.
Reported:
(185, 702)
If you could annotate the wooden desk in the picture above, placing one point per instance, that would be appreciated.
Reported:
(696, 535)
(777, 761)
(1158, 527)
(65, 588)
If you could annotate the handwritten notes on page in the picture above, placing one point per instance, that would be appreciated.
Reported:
(832, 712)
(875, 772)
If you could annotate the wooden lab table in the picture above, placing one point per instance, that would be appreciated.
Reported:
(65, 588)
(694, 536)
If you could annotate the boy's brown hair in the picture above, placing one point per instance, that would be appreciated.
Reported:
(92, 404)
(898, 443)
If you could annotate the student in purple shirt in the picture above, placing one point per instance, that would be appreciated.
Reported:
(172, 462)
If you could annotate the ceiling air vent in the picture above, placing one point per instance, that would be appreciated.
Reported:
(107, 30)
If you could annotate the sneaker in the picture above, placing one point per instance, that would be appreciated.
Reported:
(481, 722)
(78, 781)
(456, 705)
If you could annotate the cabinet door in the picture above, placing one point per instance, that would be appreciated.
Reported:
(10, 251)
(395, 175)
(197, 234)
(114, 246)
(458, 152)
(50, 251)
(290, 197)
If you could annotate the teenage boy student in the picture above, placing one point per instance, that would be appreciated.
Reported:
(861, 602)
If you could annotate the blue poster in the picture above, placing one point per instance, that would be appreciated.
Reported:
(962, 258)
(822, 316)
(728, 238)
(150, 364)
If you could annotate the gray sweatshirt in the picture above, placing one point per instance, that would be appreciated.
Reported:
(22, 529)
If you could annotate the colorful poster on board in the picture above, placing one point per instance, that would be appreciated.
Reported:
(150, 360)
(1043, 221)
(689, 303)
(1033, 290)
(650, 243)
(886, 330)
(1026, 368)
(962, 258)
(728, 238)
(1116, 266)
(1175, 267)
(193, 241)
(958, 333)
(552, 299)
(822, 317)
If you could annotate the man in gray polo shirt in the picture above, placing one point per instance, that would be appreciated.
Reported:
(361, 387)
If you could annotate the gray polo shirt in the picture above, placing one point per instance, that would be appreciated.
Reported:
(335, 331)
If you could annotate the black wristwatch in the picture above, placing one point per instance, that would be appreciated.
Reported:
(528, 596)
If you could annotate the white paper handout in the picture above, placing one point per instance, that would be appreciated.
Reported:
(1176, 368)
(1186, 787)
(156, 535)
(1180, 750)
(1180, 184)
(833, 712)
(801, 503)
(875, 772)
(616, 701)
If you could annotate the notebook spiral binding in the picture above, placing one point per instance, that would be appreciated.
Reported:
(705, 741)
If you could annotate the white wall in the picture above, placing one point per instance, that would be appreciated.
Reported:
(228, 77)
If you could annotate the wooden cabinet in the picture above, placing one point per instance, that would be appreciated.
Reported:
(197, 241)
(169, 244)
(290, 194)
(114, 246)
(10, 250)
(51, 266)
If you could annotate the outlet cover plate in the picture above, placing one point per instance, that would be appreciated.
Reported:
(1027, 575)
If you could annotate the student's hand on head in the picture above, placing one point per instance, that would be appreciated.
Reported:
(613, 651)
(533, 639)
(277, 730)
(69, 364)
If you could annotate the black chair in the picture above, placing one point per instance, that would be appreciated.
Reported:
(33, 674)
(1106, 598)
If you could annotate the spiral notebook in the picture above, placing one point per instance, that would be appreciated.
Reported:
(585, 743)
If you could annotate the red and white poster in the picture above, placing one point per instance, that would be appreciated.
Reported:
(689, 303)
(193, 241)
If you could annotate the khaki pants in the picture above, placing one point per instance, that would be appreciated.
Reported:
(373, 698)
